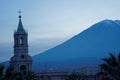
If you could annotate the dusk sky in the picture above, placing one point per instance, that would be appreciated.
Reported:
(50, 22)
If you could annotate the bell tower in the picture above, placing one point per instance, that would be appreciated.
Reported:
(21, 59)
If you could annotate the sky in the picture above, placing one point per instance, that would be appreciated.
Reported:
(50, 22)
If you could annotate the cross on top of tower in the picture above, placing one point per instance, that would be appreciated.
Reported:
(20, 29)
(19, 14)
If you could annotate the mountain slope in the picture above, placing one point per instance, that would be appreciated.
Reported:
(86, 48)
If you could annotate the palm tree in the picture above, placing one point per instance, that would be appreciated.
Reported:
(111, 66)
(74, 76)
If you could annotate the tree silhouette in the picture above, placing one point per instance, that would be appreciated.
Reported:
(74, 76)
(10, 74)
(1, 71)
(111, 66)
(26, 75)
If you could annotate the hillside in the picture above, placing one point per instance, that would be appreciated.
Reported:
(85, 49)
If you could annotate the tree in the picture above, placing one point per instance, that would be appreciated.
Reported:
(74, 76)
(30, 76)
(111, 66)
(25, 75)
(1, 71)
(10, 74)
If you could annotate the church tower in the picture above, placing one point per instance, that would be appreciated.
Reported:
(21, 59)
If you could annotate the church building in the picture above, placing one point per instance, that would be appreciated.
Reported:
(21, 59)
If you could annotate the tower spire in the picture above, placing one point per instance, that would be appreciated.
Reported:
(20, 29)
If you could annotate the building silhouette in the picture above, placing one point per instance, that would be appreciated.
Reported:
(21, 59)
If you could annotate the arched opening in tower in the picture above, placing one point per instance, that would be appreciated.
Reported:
(21, 41)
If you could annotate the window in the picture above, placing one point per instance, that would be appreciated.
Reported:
(21, 41)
